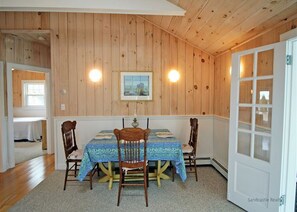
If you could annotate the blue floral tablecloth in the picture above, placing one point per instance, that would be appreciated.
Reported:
(105, 150)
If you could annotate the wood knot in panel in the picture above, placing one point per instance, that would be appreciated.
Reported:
(207, 87)
(195, 87)
(203, 113)
(202, 60)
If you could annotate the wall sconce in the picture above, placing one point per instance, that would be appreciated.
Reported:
(95, 75)
(173, 75)
(240, 69)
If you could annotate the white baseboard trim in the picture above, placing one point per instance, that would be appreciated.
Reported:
(219, 168)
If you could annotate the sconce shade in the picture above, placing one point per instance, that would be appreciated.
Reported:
(95, 75)
(173, 76)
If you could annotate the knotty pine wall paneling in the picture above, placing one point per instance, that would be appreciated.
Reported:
(115, 43)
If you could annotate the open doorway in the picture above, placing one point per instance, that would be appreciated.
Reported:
(29, 114)
(26, 122)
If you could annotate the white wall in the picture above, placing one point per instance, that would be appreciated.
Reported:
(87, 127)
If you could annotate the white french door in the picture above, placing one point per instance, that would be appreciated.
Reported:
(256, 128)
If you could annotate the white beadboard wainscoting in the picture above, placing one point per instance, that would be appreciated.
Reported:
(87, 127)
(221, 141)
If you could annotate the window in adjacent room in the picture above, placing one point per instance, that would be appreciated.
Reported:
(33, 93)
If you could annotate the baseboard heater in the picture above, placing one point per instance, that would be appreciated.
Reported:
(214, 163)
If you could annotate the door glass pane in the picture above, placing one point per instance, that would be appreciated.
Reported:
(262, 147)
(263, 119)
(245, 92)
(246, 65)
(244, 143)
(264, 91)
(245, 118)
(265, 63)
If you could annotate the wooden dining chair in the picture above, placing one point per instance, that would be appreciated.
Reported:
(132, 157)
(189, 149)
(73, 154)
(147, 122)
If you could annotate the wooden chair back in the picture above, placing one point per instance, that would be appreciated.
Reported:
(68, 134)
(193, 134)
(131, 146)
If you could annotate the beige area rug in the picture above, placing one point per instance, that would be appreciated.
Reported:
(208, 194)
(24, 151)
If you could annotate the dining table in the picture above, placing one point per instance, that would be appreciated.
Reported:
(163, 148)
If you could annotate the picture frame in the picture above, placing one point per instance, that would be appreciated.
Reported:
(136, 86)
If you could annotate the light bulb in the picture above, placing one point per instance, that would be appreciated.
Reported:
(95, 75)
(173, 75)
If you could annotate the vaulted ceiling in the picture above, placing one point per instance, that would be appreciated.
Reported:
(218, 25)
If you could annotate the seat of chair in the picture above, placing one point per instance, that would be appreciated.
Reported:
(76, 155)
(186, 148)
(133, 166)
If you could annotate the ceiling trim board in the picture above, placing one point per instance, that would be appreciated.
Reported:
(138, 7)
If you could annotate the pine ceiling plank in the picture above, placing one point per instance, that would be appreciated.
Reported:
(211, 30)
(206, 14)
(235, 18)
(263, 14)
(281, 18)
(180, 22)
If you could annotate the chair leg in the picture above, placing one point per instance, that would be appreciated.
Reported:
(91, 178)
(120, 186)
(75, 168)
(173, 172)
(66, 175)
(195, 170)
(147, 176)
(98, 170)
(145, 189)
(190, 163)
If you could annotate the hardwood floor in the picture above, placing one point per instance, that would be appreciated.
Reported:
(19, 181)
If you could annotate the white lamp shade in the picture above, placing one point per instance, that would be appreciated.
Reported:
(95, 75)
(173, 76)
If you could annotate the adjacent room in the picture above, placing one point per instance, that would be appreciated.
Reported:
(202, 92)
(29, 113)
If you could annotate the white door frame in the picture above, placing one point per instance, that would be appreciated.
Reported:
(3, 123)
(10, 147)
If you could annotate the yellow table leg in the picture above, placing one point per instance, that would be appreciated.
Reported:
(160, 172)
(109, 174)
